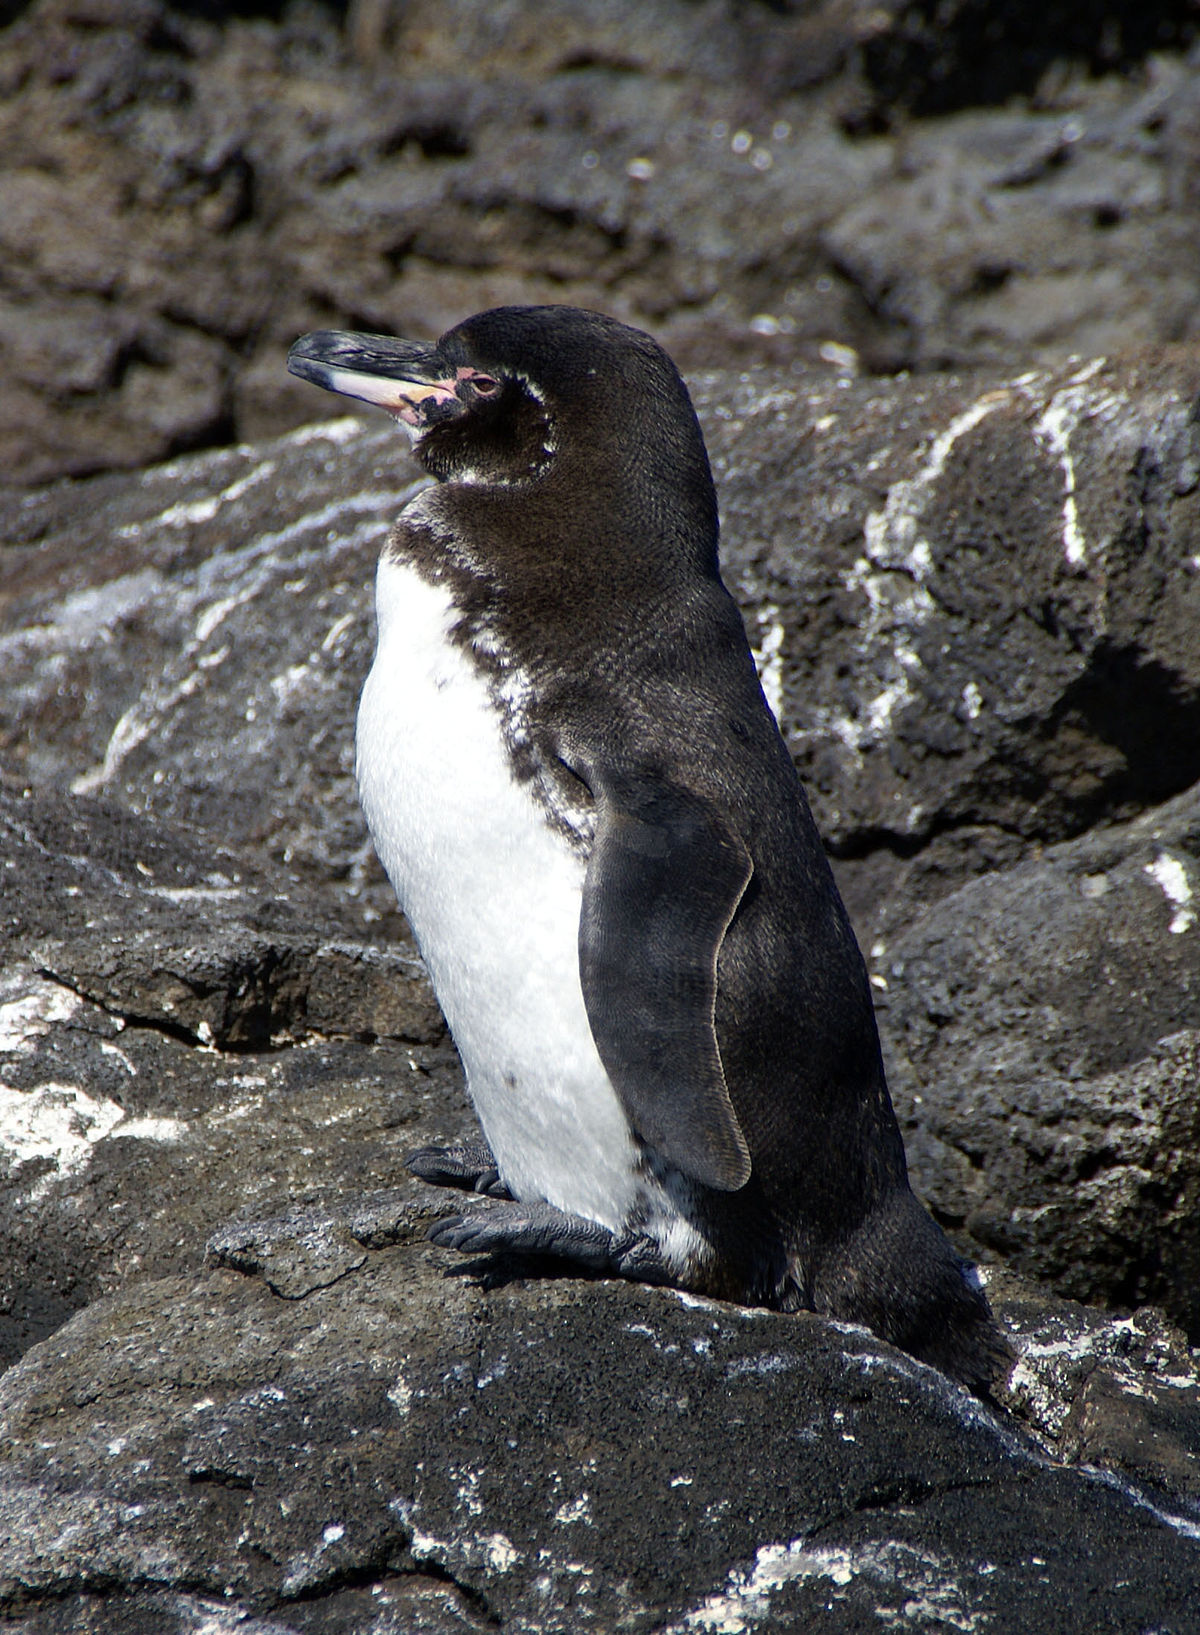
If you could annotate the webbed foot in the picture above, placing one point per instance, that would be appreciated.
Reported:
(469, 1165)
(541, 1229)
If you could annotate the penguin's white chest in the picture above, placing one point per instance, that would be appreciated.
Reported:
(493, 895)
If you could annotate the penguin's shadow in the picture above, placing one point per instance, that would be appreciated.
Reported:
(507, 1268)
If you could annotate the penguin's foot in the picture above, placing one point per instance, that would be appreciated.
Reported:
(540, 1229)
(469, 1165)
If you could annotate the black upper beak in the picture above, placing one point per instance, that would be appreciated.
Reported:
(408, 378)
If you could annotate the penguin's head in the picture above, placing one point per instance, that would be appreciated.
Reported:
(520, 395)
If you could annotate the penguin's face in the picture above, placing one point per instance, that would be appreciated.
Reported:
(538, 398)
(467, 421)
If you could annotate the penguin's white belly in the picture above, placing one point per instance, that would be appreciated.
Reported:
(493, 895)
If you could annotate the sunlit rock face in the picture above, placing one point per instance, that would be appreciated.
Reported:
(843, 184)
(242, 1394)
(211, 1013)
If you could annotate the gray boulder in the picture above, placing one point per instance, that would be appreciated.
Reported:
(186, 189)
(402, 1449)
(1044, 1034)
(975, 605)
(213, 1028)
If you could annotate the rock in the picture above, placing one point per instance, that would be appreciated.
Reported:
(403, 1444)
(975, 605)
(1120, 1394)
(178, 1044)
(203, 635)
(168, 933)
(1043, 1033)
(961, 680)
(182, 192)
(964, 640)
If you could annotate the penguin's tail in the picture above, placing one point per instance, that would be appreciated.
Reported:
(899, 1275)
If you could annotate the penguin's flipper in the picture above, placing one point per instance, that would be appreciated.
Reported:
(541, 1229)
(663, 883)
(469, 1165)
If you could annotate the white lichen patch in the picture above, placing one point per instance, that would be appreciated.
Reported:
(149, 1129)
(494, 1551)
(56, 1121)
(196, 894)
(468, 1491)
(248, 480)
(186, 512)
(1170, 874)
(400, 1396)
(1186, 1526)
(340, 430)
(289, 682)
(909, 1585)
(498, 1552)
(308, 1567)
(1053, 430)
(223, 583)
(30, 1005)
(1036, 1380)
(118, 1055)
(86, 616)
(579, 1509)
(62, 1123)
(892, 575)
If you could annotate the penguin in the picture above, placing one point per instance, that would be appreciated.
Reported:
(605, 853)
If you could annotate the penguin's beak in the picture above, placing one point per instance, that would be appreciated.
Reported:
(407, 378)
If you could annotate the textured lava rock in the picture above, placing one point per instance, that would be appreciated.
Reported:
(1044, 1033)
(184, 189)
(975, 602)
(202, 1440)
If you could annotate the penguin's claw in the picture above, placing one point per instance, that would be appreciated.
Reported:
(540, 1229)
(469, 1165)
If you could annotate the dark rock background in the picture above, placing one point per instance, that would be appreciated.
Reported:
(185, 188)
(931, 271)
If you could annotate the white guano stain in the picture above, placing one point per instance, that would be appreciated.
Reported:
(768, 657)
(1053, 430)
(468, 1491)
(149, 1129)
(221, 584)
(499, 1553)
(184, 512)
(85, 617)
(927, 1589)
(61, 1122)
(340, 430)
(895, 546)
(118, 1055)
(30, 1006)
(1170, 874)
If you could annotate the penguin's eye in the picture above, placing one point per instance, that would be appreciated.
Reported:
(485, 385)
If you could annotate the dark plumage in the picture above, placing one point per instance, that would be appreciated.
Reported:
(569, 555)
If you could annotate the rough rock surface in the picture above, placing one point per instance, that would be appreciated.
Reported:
(400, 1450)
(211, 1014)
(185, 188)
(244, 1395)
(976, 603)
(1044, 1026)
